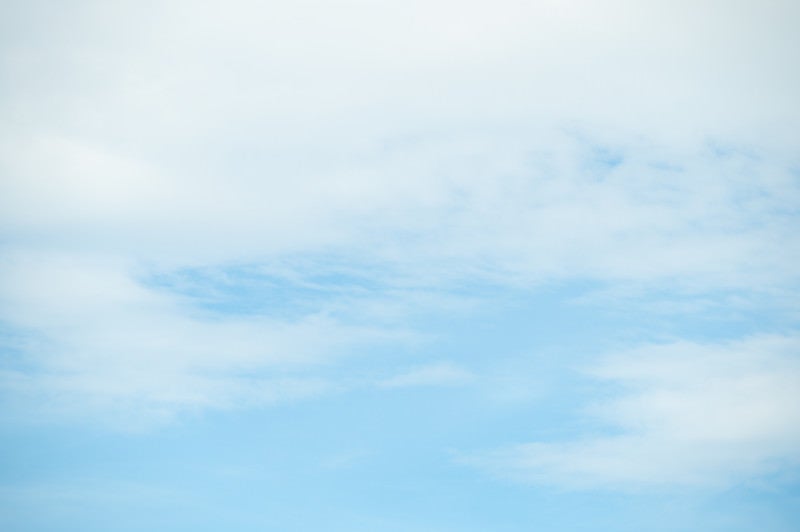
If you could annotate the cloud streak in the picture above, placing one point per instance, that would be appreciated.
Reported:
(92, 337)
(679, 414)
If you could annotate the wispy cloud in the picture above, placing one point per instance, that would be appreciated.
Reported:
(82, 256)
(677, 414)
(101, 341)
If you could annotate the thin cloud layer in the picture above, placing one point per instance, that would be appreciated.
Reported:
(92, 340)
(679, 414)
(390, 167)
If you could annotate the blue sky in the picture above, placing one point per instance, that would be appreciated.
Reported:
(405, 266)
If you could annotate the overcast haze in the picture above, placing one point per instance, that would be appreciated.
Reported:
(404, 266)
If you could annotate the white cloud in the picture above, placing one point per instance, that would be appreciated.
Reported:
(437, 141)
(434, 210)
(185, 70)
(440, 144)
(100, 341)
(681, 414)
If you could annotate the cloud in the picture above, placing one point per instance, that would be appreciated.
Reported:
(681, 414)
(434, 211)
(304, 63)
(517, 145)
(90, 337)
(459, 144)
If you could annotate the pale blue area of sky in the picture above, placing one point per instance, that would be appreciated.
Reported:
(277, 470)
(381, 459)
